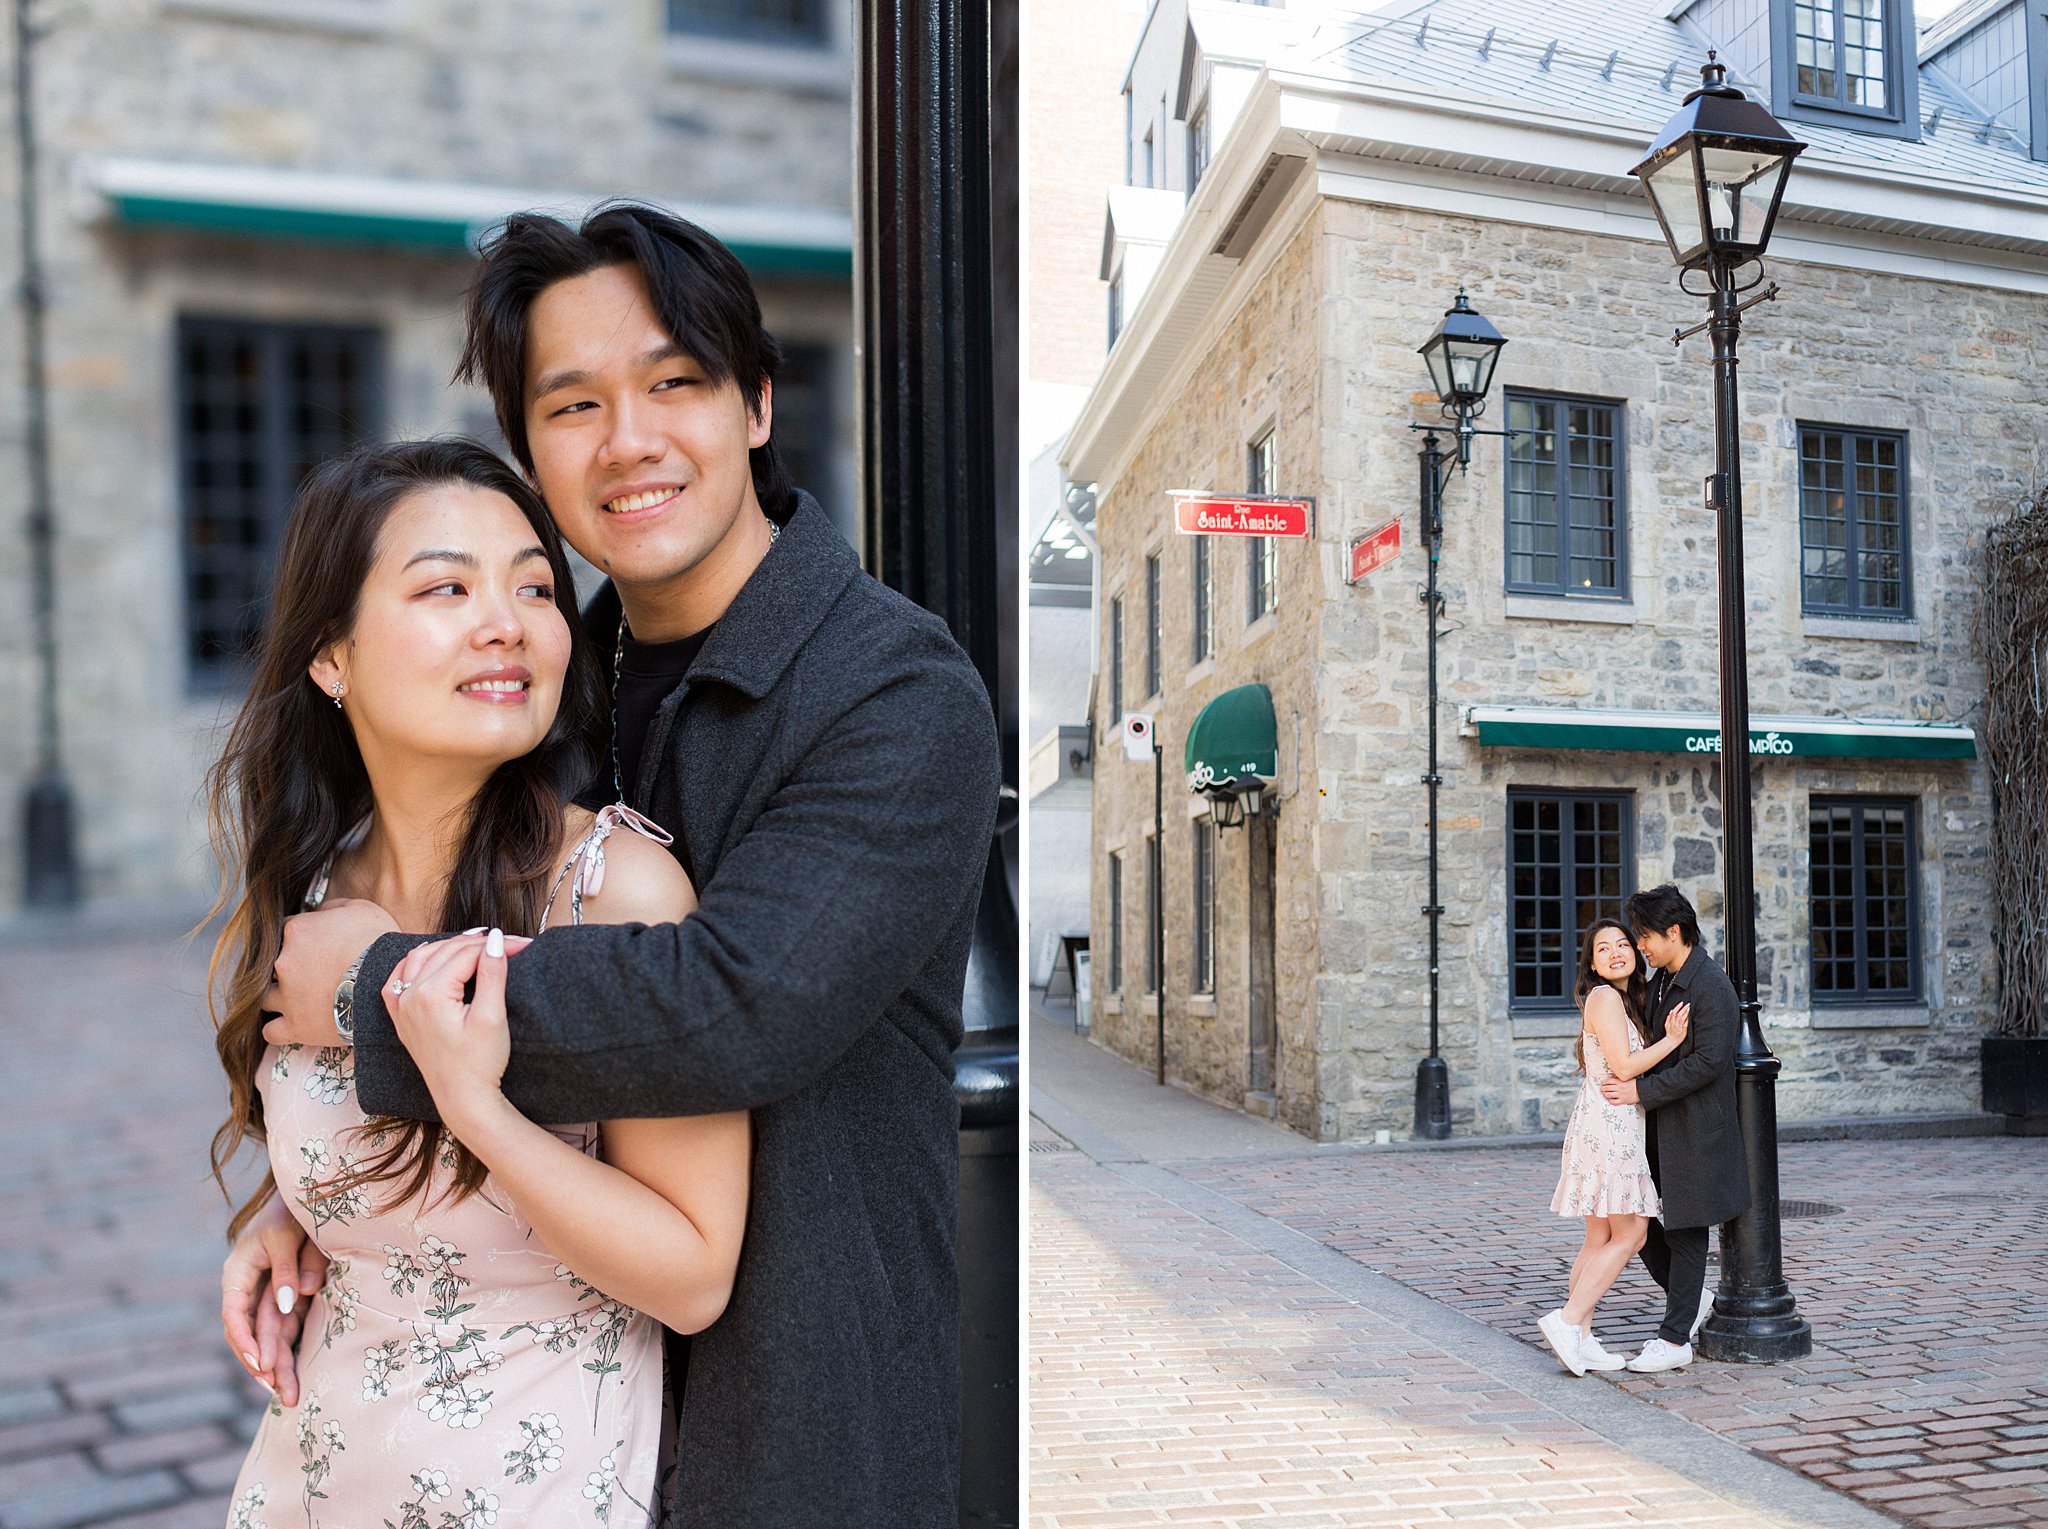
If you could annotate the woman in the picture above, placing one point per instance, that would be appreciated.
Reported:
(1606, 1177)
(488, 1335)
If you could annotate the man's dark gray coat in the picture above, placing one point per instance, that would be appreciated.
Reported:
(831, 765)
(1702, 1174)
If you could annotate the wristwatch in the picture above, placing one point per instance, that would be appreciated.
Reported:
(345, 1000)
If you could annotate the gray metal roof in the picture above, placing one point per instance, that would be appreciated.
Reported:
(1619, 60)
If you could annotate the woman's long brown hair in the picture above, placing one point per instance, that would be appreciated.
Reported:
(1634, 995)
(291, 782)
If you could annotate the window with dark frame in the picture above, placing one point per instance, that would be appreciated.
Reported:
(1116, 660)
(781, 23)
(1862, 859)
(1571, 859)
(1151, 913)
(1839, 53)
(1153, 616)
(1116, 308)
(1853, 539)
(804, 387)
(1198, 147)
(1566, 530)
(1201, 563)
(1259, 478)
(1203, 977)
(1116, 922)
(259, 406)
(1853, 63)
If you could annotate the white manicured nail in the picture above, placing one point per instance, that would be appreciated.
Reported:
(287, 1298)
(494, 943)
(253, 1363)
(478, 930)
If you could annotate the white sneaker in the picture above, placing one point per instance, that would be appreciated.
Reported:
(1563, 1339)
(1594, 1354)
(1706, 1310)
(1658, 1355)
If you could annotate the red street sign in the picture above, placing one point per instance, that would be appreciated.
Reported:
(1374, 549)
(1195, 515)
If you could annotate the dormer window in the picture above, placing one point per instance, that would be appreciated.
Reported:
(1846, 62)
(1840, 52)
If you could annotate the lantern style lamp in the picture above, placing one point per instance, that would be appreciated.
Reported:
(1716, 172)
(1461, 355)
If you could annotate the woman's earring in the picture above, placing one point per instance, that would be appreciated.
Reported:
(339, 689)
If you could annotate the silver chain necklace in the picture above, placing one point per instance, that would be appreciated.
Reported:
(618, 670)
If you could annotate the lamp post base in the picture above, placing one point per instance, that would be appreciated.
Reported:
(52, 879)
(1432, 1100)
(1755, 1338)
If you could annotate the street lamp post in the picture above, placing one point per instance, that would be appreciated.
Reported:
(1461, 356)
(1715, 176)
(51, 872)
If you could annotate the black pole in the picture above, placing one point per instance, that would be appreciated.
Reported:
(1432, 1077)
(1755, 1317)
(935, 303)
(1158, 873)
(51, 872)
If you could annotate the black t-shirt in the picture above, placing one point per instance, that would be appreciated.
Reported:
(648, 674)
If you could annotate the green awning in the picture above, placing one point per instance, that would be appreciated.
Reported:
(304, 206)
(1659, 732)
(1234, 742)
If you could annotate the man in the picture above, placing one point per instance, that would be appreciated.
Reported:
(826, 757)
(1693, 1142)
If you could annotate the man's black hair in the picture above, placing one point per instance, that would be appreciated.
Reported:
(700, 292)
(1656, 910)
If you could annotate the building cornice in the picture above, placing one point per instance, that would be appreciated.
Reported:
(1523, 164)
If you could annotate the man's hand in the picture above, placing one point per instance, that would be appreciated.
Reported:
(272, 1255)
(1620, 1091)
(318, 947)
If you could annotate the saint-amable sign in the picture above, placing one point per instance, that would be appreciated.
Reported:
(1243, 515)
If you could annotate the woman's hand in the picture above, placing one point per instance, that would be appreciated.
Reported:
(460, 1048)
(273, 1255)
(1677, 1022)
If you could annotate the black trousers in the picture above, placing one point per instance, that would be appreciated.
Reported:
(1677, 1259)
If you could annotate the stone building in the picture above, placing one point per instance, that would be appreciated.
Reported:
(1339, 177)
(257, 218)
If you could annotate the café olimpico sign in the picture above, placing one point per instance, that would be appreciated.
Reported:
(1656, 732)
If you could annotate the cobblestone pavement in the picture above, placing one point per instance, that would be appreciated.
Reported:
(1927, 1390)
(1179, 1375)
(1193, 1361)
(119, 1403)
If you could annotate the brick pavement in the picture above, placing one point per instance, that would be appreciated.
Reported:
(1181, 1375)
(119, 1404)
(1927, 1390)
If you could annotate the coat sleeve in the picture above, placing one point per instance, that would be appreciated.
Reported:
(849, 882)
(1709, 1056)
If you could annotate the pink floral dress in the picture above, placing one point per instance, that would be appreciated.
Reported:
(1606, 1172)
(453, 1374)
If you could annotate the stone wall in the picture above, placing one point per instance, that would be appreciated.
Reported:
(1954, 366)
(1944, 362)
(580, 99)
(1258, 371)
